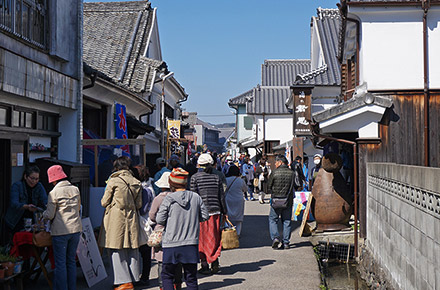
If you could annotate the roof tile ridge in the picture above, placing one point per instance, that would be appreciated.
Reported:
(328, 13)
(311, 74)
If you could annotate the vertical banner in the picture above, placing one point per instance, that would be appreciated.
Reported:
(121, 131)
(89, 256)
(173, 134)
(302, 111)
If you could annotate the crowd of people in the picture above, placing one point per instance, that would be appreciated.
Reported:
(188, 203)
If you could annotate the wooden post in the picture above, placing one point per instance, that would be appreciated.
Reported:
(95, 149)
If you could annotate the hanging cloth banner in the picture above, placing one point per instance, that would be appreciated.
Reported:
(121, 131)
(174, 133)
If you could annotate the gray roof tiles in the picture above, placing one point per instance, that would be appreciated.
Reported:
(115, 35)
(328, 23)
(282, 72)
(240, 99)
(269, 100)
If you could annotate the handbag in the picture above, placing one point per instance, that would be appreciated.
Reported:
(145, 230)
(42, 239)
(283, 202)
(230, 237)
(155, 239)
(256, 182)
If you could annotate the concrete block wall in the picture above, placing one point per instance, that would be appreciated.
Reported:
(403, 223)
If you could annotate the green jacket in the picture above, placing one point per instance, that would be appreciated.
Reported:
(280, 181)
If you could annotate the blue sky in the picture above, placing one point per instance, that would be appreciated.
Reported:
(216, 48)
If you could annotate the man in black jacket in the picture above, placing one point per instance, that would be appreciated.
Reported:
(279, 185)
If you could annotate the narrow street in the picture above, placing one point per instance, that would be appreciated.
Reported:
(255, 265)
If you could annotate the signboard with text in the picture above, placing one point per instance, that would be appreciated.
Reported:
(173, 134)
(89, 256)
(302, 111)
(121, 131)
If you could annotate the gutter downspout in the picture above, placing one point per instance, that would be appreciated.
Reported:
(93, 77)
(356, 191)
(264, 133)
(425, 6)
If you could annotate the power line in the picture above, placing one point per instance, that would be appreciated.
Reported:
(216, 115)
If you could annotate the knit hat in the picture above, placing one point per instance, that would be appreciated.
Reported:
(55, 173)
(178, 178)
(160, 160)
(174, 157)
(205, 159)
(163, 180)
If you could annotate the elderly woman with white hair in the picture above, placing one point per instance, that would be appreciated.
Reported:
(209, 186)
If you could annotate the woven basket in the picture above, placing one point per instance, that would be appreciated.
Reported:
(230, 237)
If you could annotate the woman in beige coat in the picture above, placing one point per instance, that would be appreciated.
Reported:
(122, 199)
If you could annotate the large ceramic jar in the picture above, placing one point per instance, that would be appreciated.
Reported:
(332, 205)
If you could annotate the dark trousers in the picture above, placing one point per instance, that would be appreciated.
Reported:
(146, 261)
(189, 272)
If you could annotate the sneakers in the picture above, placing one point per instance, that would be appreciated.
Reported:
(252, 199)
(126, 286)
(284, 247)
(205, 271)
(215, 267)
(275, 244)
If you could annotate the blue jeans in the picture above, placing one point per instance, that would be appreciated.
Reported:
(274, 218)
(64, 251)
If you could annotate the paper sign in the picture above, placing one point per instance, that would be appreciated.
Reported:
(19, 159)
(89, 256)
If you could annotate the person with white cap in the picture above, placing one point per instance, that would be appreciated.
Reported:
(63, 210)
(210, 188)
(162, 166)
(317, 161)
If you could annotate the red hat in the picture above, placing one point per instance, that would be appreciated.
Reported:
(55, 173)
(178, 178)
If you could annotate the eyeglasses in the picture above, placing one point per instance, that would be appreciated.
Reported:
(33, 178)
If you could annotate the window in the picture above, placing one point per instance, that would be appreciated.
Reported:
(248, 122)
(169, 112)
(4, 116)
(24, 119)
(26, 19)
(47, 122)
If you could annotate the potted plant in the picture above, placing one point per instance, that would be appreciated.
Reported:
(8, 264)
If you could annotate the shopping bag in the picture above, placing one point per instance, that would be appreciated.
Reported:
(230, 237)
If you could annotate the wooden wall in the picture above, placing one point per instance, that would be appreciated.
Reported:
(402, 140)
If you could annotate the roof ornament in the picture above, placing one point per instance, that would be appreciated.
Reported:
(328, 13)
(312, 74)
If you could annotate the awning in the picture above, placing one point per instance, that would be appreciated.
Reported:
(136, 127)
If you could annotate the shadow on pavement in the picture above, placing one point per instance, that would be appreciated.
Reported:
(220, 284)
(255, 232)
(245, 267)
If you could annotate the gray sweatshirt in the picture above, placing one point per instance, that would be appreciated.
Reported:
(180, 213)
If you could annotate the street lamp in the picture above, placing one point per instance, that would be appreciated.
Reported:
(163, 77)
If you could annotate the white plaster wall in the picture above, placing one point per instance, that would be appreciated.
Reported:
(317, 58)
(279, 127)
(391, 53)
(434, 47)
(242, 132)
(199, 135)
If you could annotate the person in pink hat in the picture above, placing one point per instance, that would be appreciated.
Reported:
(63, 210)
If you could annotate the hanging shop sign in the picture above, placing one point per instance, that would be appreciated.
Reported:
(174, 137)
(121, 131)
(302, 111)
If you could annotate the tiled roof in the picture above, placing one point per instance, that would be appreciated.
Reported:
(269, 100)
(115, 36)
(241, 99)
(206, 125)
(328, 23)
(282, 72)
